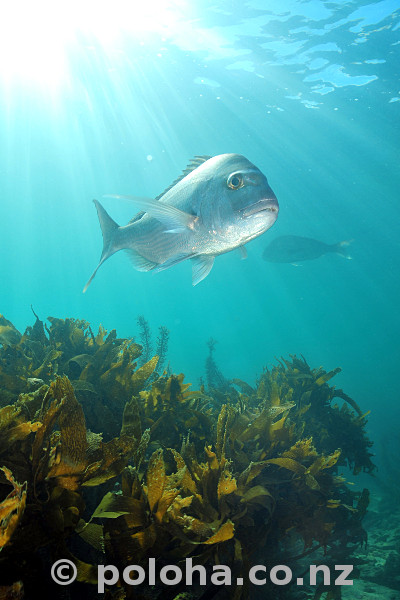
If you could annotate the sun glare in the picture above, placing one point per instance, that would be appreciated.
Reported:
(37, 37)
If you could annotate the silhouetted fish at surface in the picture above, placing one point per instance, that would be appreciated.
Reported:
(294, 248)
(218, 204)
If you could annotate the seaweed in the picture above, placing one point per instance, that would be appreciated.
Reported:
(145, 339)
(145, 336)
(102, 460)
(215, 379)
(162, 347)
(100, 368)
(56, 465)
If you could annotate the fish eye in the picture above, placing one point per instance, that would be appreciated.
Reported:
(235, 181)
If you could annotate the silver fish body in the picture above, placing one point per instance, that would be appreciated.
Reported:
(218, 205)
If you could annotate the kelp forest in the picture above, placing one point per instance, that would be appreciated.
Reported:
(109, 458)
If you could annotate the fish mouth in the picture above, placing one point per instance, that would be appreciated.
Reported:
(265, 205)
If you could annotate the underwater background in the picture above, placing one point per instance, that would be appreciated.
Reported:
(102, 100)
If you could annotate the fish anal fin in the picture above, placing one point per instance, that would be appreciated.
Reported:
(201, 266)
(139, 262)
(171, 262)
(192, 166)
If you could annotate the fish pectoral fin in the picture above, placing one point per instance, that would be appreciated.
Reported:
(243, 252)
(139, 262)
(175, 219)
(201, 266)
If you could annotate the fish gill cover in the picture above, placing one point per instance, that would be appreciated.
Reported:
(104, 461)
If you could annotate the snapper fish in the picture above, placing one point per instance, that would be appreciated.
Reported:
(294, 249)
(218, 204)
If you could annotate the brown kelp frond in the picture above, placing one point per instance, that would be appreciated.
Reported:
(14, 427)
(314, 413)
(184, 503)
(101, 367)
(11, 508)
(57, 456)
(12, 592)
(223, 477)
(170, 410)
(170, 514)
(9, 335)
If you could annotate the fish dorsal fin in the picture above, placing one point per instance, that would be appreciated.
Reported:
(193, 164)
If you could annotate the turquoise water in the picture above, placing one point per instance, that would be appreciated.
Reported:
(97, 101)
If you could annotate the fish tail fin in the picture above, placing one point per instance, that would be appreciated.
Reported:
(340, 248)
(108, 228)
